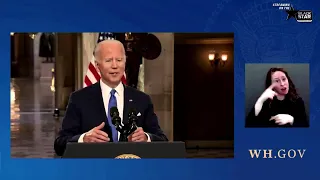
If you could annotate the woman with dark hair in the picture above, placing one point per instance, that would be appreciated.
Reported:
(279, 105)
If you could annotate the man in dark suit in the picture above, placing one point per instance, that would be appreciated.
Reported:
(87, 117)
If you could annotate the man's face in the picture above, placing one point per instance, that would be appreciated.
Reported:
(111, 63)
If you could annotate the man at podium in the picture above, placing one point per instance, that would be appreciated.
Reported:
(88, 117)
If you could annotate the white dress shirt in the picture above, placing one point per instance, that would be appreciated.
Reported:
(105, 89)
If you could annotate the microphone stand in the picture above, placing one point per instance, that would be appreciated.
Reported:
(132, 122)
(116, 121)
(127, 129)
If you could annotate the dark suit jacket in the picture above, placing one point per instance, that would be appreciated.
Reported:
(86, 110)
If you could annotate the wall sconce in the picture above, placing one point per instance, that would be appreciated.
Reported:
(211, 57)
(32, 35)
(215, 60)
(224, 57)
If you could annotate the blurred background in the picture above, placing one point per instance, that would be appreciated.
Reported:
(189, 76)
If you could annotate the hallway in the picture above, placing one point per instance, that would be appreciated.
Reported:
(33, 127)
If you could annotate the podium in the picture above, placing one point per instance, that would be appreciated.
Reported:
(126, 150)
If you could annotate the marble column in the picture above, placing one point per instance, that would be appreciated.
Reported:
(158, 82)
(140, 85)
(37, 117)
(89, 41)
(66, 56)
(36, 57)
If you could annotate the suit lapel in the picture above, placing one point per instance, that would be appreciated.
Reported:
(127, 104)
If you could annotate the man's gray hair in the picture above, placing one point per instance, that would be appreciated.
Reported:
(108, 41)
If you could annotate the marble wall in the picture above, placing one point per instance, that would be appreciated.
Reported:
(158, 82)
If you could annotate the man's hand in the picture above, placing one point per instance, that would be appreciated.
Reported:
(282, 119)
(96, 135)
(138, 136)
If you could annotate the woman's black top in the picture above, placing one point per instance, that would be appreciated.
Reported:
(274, 107)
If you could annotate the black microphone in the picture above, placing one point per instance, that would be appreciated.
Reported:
(115, 118)
(132, 120)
